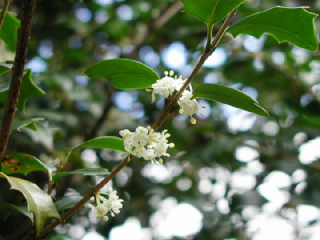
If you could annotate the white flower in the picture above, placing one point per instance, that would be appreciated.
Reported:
(188, 106)
(147, 143)
(112, 204)
(166, 85)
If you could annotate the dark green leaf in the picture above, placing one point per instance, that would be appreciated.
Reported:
(229, 96)
(293, 25)
(84, 171)
(30, 123)
(38, 201)
(4, 68)
(22, 209)
(22, 163)
(112, 143)
(67, 202)
(59, 237)
(210, 11)
(124, 73)
(9, 31)
(28, 90)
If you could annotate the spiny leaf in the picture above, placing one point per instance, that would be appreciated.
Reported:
(38, 201)
(293, 25)
(4, 68)
(210, 11)
(28, 90)
(30, 123)
(9, 31)
(83, 171)
(124, 73)
(22, 163)
(230, 96)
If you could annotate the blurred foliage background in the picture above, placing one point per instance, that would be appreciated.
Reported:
(233, 175)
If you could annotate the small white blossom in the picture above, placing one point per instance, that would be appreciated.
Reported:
(147, 143)
(188, 106)
(112, 204)
(166, 86)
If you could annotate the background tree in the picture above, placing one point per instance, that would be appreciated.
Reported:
(233, 175)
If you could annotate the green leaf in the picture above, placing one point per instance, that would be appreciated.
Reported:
(38, 201)
(22, 209)
(30, 123)
(9, 31)
(124, 73)
(293, 25)
(4, 68)
(22, 163)
(28, 90)
(210, 11)
(112, 143)
(83, 171)
(59, 237)
(230, 96)
(67, 202)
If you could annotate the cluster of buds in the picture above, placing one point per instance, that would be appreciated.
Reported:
(168, 85)
(147, 143)
(104, 205)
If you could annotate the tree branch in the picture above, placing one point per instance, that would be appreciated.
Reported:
(164, 114)
(17, 74)
(4, 11)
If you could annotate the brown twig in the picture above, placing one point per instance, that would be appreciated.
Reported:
(164, 114)
(17, 74)
(107, 106)
(166, 110)
(4, 11)
(156, 24)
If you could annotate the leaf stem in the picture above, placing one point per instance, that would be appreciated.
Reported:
(163, 115)
(4, 11)
(17, 74)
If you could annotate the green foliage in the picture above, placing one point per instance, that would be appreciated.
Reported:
(30, 123)
(22, 163)
(230, 96)
(28, 90)
(9, 31)
(210, 11)
(4, 68)
(112, 143)
(124, 73)
(83, 171)
(293, 25)
(38, 201)
(66, 203)
(7, 208)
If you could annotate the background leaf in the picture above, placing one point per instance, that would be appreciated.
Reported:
(210, 11)
(38, 201)
(4, 68)
(83, 171)
(293, 25)
(67, 202)
(30, 123)
(23, 209)
(28, 90)
(9, 31)
(229, 96)
(124, 73)
(22, 163)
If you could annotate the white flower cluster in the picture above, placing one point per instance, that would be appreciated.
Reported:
(146, 143)
(167, 85)
(112, 204)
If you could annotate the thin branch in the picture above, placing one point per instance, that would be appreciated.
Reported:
(107, 106)
(166, 110)
(17, 74)
(156, 24)
(4, 11)
(164, 114)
